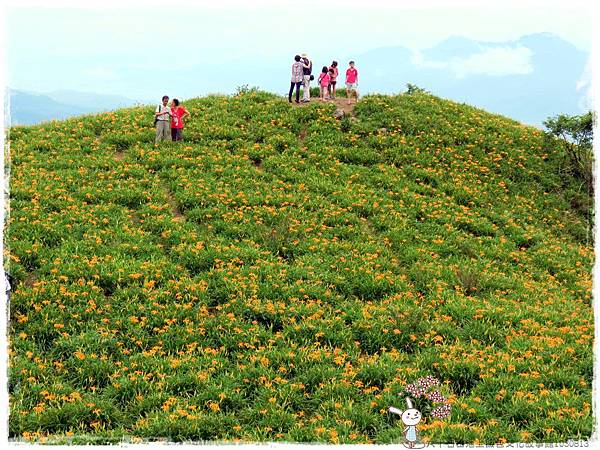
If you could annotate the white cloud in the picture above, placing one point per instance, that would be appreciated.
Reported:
(494, 61)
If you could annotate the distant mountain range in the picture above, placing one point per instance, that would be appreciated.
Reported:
(29, 108)
(528, 79)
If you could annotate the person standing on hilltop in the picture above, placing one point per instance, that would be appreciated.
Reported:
(324, 83)
(307, 77)
(297, 78)
(351, 81)
(177, 114)
(162, 116)
(333, 74)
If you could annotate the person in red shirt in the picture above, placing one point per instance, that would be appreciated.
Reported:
(177, 114)
(351, 82)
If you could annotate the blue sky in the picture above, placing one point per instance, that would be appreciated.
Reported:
(117, 47)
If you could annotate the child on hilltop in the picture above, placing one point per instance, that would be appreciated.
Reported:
(324, 82)
(333, 74)
(351, 82)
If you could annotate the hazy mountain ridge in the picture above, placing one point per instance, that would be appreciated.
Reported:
(545, 83)
(29, 108)
(528, 79)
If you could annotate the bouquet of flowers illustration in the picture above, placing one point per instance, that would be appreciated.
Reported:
(429, 388)
(438, 406)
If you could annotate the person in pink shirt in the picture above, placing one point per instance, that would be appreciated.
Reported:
(333, 74)
(324, 82)
(177, 114)
(351, 82)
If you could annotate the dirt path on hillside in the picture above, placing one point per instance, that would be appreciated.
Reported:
(340, 103)
(177, 214)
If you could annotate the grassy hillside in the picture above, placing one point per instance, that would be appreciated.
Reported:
(283, 275)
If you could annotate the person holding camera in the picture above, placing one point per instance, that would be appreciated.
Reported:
(308, 77)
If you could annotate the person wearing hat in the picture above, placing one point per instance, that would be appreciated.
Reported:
(307, 77)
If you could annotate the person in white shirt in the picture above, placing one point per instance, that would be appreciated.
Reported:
(163, 121)
(297, 78)
(307, 77)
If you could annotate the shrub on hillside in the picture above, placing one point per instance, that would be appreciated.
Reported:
(414, 89)
(245, 89)
(575, 159)
(576, 133)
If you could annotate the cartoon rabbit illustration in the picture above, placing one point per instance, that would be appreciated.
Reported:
(410, 417)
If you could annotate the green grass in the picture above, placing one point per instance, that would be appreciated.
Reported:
(281, 276)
